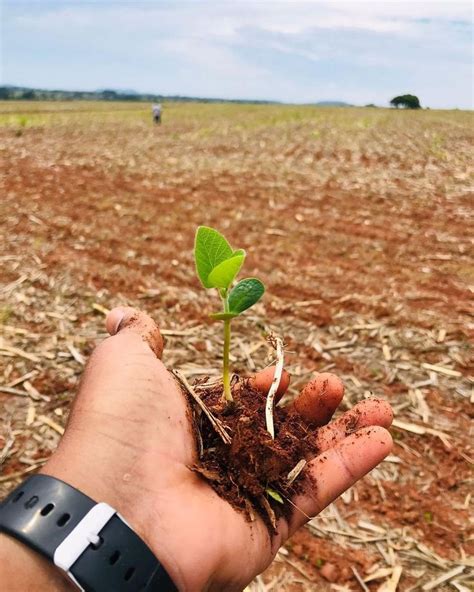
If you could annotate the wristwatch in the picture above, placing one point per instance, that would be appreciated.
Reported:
(89, 541)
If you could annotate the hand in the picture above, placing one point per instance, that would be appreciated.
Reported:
(128, 442)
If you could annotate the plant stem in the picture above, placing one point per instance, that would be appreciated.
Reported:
(225, 300)
(226, 373)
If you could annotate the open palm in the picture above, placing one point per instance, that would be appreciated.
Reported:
(129, 443)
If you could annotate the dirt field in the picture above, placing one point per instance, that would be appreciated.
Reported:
(359, 221)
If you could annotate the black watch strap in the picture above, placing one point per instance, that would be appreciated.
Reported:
(90, 541)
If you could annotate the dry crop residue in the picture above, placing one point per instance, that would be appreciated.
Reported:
(356, 219)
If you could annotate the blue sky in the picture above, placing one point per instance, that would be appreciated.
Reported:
(288, 50)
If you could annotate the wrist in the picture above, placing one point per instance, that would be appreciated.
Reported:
(23, 569)
(125, 496)
(101, 485)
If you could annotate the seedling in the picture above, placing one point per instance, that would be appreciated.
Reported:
(217, 266)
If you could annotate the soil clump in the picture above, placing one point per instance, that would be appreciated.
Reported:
(254, 467)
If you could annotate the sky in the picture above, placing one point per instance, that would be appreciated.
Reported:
(288, 50)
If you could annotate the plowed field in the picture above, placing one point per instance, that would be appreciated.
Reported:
(359, 221)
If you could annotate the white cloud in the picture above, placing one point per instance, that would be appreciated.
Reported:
(217, 61)
(288, 17)
(264, 49)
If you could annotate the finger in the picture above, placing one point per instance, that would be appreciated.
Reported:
(370, 412)
(262, 381)
(126, 320)
(332, 472)
(320, 398)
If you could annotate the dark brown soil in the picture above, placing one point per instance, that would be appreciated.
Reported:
(244, 471)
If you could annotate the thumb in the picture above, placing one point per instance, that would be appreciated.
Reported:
(119, 364)
(128, 320)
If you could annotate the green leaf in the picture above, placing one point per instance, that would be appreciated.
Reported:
(223, 316)
(210, 249)
(223, 274)
(275, 495)
(245, 294)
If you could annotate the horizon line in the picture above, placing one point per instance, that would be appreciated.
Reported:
(131, 92)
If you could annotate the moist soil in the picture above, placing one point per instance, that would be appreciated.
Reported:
(244, 471)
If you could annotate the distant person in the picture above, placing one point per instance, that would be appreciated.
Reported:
(156, 110)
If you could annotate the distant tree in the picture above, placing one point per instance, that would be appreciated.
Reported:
(406, 101)
(5, 93)
(28, 95)
(109, 95)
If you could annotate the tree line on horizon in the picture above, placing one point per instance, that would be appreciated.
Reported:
(18, 93)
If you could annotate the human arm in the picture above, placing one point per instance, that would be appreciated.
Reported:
(129, 443)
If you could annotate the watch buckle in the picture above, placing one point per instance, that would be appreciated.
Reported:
(85, 533)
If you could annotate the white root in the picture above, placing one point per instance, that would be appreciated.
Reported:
(274, 386)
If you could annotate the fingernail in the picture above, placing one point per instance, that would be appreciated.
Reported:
(118, 322)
